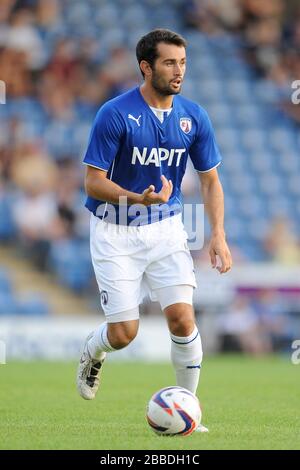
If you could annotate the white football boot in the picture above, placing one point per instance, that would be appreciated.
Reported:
(88, 372)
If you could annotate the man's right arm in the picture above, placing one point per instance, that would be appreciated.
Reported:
(98, 186)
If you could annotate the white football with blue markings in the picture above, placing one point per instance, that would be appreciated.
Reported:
(174, 411)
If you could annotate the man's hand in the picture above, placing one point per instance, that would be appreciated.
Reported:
(149, 196)
(219, 248)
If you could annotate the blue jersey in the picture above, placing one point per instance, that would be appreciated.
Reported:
(135, 148)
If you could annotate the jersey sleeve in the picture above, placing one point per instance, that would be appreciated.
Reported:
(204, 151)
(105, 138)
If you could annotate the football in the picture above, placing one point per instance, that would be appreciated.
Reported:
(174, 411)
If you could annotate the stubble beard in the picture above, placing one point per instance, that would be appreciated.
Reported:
(163, 89)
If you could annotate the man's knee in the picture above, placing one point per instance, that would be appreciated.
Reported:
(121, 334)
(181, 319)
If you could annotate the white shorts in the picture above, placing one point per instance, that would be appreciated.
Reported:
(132, 262)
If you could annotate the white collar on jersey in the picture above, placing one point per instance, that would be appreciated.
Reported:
(161, 114)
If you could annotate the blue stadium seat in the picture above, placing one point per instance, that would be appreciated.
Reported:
(5, 282)
(7, 226)
(34, 304)
(71, 262)
(8, 304)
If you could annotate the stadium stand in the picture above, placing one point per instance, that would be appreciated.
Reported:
(61, 59)
(13, 304)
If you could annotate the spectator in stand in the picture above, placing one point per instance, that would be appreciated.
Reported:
(269, 31)
(272, 312)
(240, 330)
(281, 243)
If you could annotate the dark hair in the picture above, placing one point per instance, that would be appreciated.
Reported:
(146, 48)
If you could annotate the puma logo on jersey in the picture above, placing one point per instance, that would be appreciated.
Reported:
(137, 120)
(156, 156)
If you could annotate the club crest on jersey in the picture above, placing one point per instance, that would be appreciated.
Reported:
(185, 124)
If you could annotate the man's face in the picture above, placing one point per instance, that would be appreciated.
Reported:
(169, 69)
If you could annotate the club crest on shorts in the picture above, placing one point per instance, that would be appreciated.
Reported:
(104, 297)
(185, 124)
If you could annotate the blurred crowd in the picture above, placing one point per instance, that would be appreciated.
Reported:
(56, 80)
(269, 32)
(259, 322)
(58, 69)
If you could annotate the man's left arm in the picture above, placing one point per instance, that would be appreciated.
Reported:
(213, 199)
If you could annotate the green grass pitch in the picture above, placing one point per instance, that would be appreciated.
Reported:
(247, 404)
